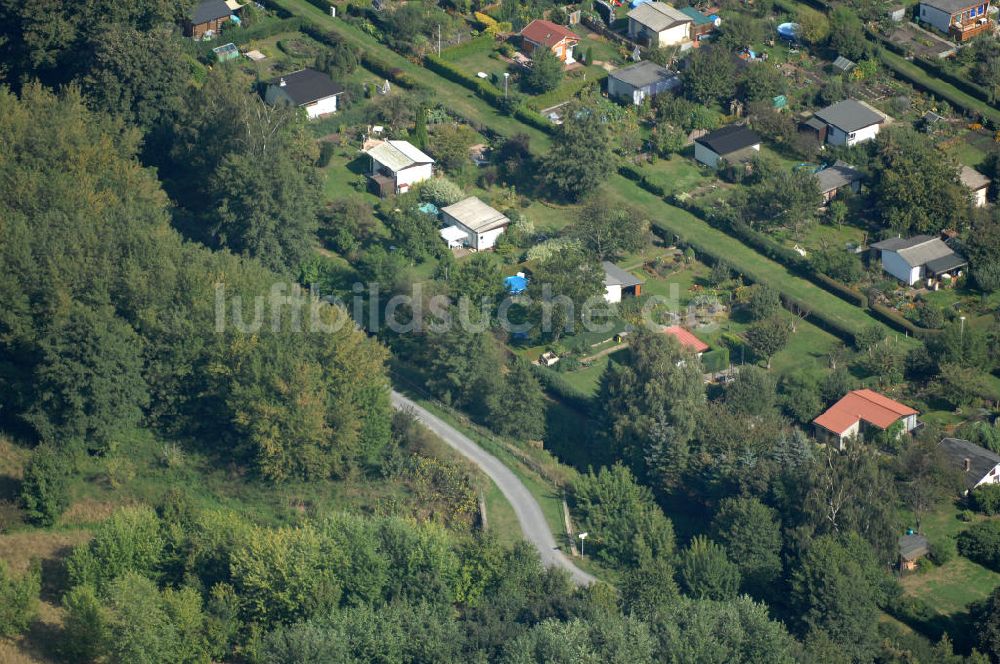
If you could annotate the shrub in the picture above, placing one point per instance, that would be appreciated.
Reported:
(18, 599)
(966, 516)
(44, 489)
(326, 153)
(942, 551)
(986, 499)
(981, 544)
(441, 191)
(128, 541)
(85, 626)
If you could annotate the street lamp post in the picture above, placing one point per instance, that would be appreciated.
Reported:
(506, 77)
(583, 538)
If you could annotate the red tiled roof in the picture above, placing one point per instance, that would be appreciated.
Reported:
(872, 407)
(686, 338)
(547, 33)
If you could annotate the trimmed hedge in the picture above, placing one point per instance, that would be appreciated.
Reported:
(840, 289)
(897, 322)
(716, 359)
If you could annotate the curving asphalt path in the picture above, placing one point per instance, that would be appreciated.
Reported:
(529, 513)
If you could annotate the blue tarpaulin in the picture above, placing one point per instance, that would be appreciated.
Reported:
(428, 208)
(515, 284)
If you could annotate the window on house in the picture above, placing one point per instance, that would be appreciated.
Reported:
(853, 134)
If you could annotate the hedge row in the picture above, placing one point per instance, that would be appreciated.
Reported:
(966, 86)
(561, 388)
(897, 322)
(840, 289)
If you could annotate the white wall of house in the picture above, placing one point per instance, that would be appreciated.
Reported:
(706, 155)
(979, 198)
(669, 37)
(835, 136)
(486, 240)
(939, 19)
(412, 175)
(894, 264)
(321, 107)
(276, 95)
(612, 294)
(992, 477)
(909, 423)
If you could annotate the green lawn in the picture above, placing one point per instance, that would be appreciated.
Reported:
(967, 153)
(677, 174)
(818, 236)
(549, 217)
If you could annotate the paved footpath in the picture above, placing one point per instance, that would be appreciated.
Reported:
(529, 512)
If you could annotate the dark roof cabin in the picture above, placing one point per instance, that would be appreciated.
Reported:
(208, 15)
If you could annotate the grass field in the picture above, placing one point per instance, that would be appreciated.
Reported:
(676, 175)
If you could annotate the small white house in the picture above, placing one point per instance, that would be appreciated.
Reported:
(859, 412)
(397, 166)
(977, 465)
(658, 24)
(734, 144)
(306, 88)
(962, 19)
(618, 282)
(480, 223)
(644, 79)
(921, 257)
(977, 183)
(850, 122)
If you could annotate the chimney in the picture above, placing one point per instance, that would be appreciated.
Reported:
(282, 82)
(967, 464)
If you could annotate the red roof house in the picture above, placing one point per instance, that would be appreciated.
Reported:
(860, 409)
(687, 339)
(545, 34)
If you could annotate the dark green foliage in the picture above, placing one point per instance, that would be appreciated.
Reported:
(847, 34)
(545, 72)
(752, 392)
(44, 487)
(836, 588)
(608, 639)
(339, 61)
(516, 408)
(460, 368)
(710, 76)
(981, 543)
(982, 247)
(650, 405)
(89, 384)
(801, 397)
(764, 302)
(916, 188)
(561, 286)
(737, 631)
(609, 231)
(751, 534)
(851, 491)
(623, 521)
(141, 75)
(768, 336)
(706, 573)
(85, 625)
(18, 599)
(580, 157)
(986, 620)
(762, 82)
(838, 264)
